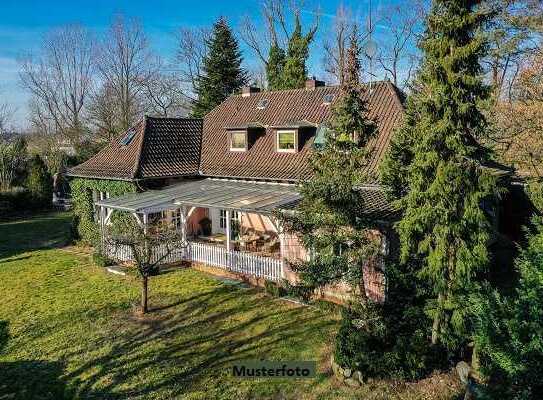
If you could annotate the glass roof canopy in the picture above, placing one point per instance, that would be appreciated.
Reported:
(260, 198)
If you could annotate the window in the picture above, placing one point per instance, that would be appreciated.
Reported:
(238, 141)
(328, 98)
(262, 104)
(176, 219)
(234, 216)
(286, 141)
(128, 137)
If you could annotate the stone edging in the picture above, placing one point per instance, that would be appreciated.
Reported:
(346, 375)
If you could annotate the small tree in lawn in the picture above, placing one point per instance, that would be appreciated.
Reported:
(329, 219)
(149, 247)
(435, 166)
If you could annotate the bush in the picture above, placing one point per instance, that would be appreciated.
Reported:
(16, 200)
(100, 260)
(274, 289)
(301, 291)
(39, 183)
(391, 340)
(509, 329)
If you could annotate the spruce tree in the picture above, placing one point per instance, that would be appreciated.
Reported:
(435, 165)
(329, 219)
(294, 72)
(222, 71)
(275, 66)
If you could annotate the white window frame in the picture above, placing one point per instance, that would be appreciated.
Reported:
(235, 215)
(232, 133)
(294, 132)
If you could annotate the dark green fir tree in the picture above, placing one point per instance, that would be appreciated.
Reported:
(39, 183)
(435, 166)
(222, 71)
(294, 72)
(275, 66)
(330, 219)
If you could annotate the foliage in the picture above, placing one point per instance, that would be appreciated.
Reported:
(294, 72)
(509, 329)
(100, 260)
(222, 71)
(39, 183)
(82, 200)
(274, 289)
(389, 340)
(275, 66)
(12, 158)
(330, 215)
(438, 159)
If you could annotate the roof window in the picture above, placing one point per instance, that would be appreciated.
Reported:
(262, 104)
(127, 139)
(328, 98)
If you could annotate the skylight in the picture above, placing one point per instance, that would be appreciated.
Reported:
(328, 98)
(128, 137)
(262, 104)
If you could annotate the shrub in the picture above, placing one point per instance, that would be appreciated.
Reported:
(509, 329)
(390, 340)
(274, 289)
(100, 260)
(300, 291)
(39, 183)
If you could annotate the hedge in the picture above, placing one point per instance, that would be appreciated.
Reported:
(82, 189)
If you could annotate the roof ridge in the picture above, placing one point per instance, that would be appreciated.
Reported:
(174, 118)
(336, 86)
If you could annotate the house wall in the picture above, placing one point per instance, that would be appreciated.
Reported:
(256, 222)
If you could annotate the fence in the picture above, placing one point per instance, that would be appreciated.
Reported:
(217, 256)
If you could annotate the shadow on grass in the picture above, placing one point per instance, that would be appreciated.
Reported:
(43, 231)
(178, 349)
(29, 379)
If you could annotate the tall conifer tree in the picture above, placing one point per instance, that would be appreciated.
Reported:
(275, 66)
(294, 73)
(330, 217)
(222, 71)
(435, 164)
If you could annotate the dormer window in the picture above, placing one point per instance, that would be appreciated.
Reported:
(287, 141)
(328, 98)
(238, 141)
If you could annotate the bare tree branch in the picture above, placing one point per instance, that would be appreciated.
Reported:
(61, 79)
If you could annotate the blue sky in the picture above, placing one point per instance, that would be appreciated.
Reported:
(24, 22)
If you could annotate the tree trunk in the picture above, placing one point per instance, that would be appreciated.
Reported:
(144, 282)
(437, 320)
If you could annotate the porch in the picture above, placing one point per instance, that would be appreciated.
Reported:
(224, 224)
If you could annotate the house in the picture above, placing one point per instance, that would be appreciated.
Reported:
(221, 181)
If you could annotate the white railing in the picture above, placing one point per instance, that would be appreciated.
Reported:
(217, 256)
(236, 261)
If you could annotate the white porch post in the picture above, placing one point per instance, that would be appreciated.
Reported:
(228, 230)
(145, 222)
(282, 244)
(183, 223)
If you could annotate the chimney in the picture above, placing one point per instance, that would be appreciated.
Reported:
(246, 91)
(312, 83)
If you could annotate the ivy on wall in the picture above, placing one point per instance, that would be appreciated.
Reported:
(82, 189)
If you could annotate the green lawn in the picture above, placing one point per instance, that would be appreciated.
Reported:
(68, 330)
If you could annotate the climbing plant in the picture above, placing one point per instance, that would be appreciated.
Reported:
(87, 228)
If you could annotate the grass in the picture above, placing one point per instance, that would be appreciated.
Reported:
(69, 331)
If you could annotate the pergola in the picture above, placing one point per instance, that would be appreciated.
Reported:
(248, 197)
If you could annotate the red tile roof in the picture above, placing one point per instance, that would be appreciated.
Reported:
(286, 108)
(161, 147)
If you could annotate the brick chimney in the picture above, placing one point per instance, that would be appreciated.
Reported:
(312, 83)
(246, 91)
